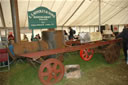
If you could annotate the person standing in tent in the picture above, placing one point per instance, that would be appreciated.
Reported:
(71, 33)
(124, 36)
(25, 38)
(39, 36)
(10, 37)
(66, 36)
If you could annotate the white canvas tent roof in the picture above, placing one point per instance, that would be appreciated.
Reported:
(71, 12)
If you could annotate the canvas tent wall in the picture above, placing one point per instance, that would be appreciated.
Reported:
(71, 12)
(81, 14)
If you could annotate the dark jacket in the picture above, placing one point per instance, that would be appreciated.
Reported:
(124, 36)
(71, 33)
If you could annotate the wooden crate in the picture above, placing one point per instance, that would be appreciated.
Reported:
(95, 36)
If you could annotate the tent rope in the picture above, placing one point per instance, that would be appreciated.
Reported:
(26, 14)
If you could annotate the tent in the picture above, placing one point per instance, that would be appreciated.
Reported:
(76, 13)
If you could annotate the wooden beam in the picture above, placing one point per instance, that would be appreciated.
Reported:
(15, 20)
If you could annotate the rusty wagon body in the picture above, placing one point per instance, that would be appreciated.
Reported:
(52, 70)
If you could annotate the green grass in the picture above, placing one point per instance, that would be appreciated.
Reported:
(22, 73)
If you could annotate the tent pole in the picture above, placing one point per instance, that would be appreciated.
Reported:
(32, 34)
(2, 16)
(15, 20)
(99, 15)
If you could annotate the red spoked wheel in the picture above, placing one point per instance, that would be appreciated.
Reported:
(51, 71)
(86, 54)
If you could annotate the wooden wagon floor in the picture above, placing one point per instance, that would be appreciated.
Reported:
(94, 72)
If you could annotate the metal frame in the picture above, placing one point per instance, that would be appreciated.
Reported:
(8, 64)
(36, 55)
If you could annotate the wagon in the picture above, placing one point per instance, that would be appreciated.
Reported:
(52, 70)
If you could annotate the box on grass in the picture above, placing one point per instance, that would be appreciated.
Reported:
(72, 71)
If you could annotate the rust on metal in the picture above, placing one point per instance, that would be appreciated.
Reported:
(70, 42)
(69, 49)
(51, 71)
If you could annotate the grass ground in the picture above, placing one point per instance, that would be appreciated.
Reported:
(94, 72)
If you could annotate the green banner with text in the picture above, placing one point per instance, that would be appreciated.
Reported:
(41, 17)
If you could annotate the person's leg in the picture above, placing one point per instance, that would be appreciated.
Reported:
(125, 51)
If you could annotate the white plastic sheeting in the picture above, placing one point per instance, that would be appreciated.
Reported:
(71, 12)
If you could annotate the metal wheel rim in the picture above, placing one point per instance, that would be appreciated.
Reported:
(52, 74)
(86, 54)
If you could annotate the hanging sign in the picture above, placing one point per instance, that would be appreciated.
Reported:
(41, 18)
(115, 28)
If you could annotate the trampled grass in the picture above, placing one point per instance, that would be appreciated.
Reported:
(22, 73)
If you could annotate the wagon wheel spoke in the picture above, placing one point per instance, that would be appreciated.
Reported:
(52, 74)
(44, 74)
(59, 70)
(55, 77)
(49, 67)
(49, 78)
(55, 66)
(84, 53)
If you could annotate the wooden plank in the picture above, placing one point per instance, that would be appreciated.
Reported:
(38, 54)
